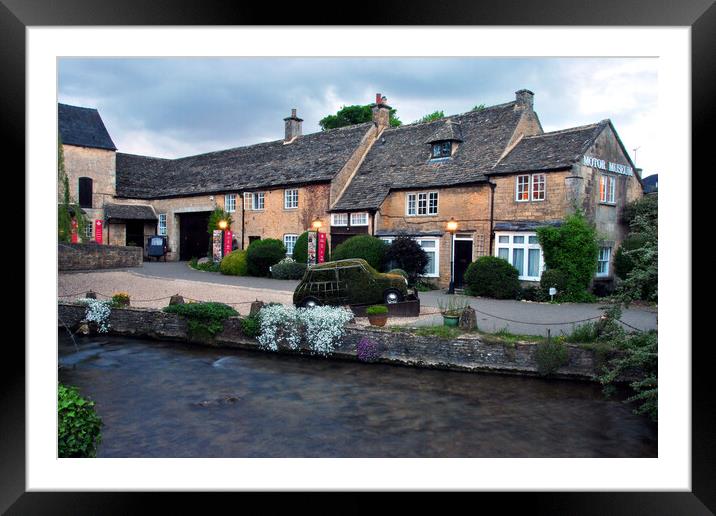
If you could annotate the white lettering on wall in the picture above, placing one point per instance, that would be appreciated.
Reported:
(617, 168)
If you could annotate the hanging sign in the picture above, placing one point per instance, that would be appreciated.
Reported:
(312, 245)
(321, 247)
(98, 231)
(228, 238)
(73, 232)
(216, 245)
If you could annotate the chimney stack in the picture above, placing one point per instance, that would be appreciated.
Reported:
(525, 99)
(293, 127)
(381, 111)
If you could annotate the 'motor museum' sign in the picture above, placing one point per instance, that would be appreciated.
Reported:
(591, 161)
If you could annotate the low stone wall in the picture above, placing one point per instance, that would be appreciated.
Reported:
(74, 257)
(465, 353)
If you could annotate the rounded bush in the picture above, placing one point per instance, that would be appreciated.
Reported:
(78, 431)
(300, 249)
(234, 264)
(406, 254)
(554, 278)
(368, 247)
(490, 276)
(262, 254)
(288, 270)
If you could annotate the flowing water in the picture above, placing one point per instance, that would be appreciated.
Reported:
(160, 399)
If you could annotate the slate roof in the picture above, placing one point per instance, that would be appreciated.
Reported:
(449, 130)
(311, 158)
(83, 127)
(129, 212)
(549, 151)
(401, 158)
(650, 183)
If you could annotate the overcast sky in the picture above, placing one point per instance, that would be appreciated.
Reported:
(172, 107)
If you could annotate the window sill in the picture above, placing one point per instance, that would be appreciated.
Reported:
(612, 204)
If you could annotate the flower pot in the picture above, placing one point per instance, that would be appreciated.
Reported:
(450, 320)
(378, 320)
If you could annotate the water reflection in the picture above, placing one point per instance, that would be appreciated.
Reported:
(172, 400)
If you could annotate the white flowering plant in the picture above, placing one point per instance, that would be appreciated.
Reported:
(321, 328)
(98, 312)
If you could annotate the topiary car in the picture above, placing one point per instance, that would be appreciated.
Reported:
(348, 282)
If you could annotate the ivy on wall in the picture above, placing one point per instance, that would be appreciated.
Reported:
(67, 209)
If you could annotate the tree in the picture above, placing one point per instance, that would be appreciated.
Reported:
(642, 279)
(479, 107)
(352, 115)
(405, 253)
(573, 249)
(435, 115)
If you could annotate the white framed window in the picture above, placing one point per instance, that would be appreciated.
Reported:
(289, 241)
(523, 252)
(88, 230)
(432, 249)
(607, 185)
(442, 149)
(522, 190)
(539, 182)
(230, 203)
(339, 219)
(254, 201)
(290, 198)
(423, 203)
(605, 255)
(359, 219)
(162, 226)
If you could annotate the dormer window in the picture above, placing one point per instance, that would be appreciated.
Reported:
(442, 149)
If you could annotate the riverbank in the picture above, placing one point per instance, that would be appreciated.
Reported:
(470, 351)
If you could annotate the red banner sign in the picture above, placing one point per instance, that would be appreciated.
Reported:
(321, 247)
(98, 231)
(73, 232)
(228, 238)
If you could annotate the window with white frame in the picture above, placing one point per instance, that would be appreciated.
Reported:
(425, 203)
(289, 241)
(605, 254)
(230, 203)
(538, 186)
(359, 219)
(162, 226)
(339, 219)
(254, 201)
(431, 247)
(530, 187)
(290, 198)
(523, 252)
(607, 186)
(88, 231)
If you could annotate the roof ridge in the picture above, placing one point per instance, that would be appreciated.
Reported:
(76, 107)
(571, 129)
(144, 156)
(445, 118)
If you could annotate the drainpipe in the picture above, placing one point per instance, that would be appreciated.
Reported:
(243, 211)
(492, 216)
(374, 217)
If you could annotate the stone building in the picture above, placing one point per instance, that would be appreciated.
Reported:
(494, 171)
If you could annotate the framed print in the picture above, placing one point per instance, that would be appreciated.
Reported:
(177, 124)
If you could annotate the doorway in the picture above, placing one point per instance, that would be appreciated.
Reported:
(193, 237)
(463, 258)
(135, 233)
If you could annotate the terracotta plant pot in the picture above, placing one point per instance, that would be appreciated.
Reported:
(378, 320)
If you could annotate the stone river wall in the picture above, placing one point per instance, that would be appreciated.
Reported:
(74, 257)
(470, 352)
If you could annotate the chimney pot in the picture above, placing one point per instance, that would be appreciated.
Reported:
(381, 111)
(293, 126)
(525, 99)
(378, 98)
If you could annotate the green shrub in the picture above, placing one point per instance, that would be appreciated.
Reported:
(406, 254)
(288, 270)
(234, 264)
(376, 310)
(553, 278)
(490, 276)
(263, 254)
(78, 425)
(300, 249)
(368, 247)
(573, 249)
(550, 356)
(623, 263)
(646, 206)
(206, 266)
(251, 326)
(533, 293)
(583, 333)
(203, 319)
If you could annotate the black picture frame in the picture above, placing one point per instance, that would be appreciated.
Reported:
(700, 15)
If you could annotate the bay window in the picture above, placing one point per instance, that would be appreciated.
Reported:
(523, 252)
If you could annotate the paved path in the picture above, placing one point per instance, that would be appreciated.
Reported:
(161, 280)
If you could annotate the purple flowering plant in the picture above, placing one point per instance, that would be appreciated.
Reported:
(367, 350)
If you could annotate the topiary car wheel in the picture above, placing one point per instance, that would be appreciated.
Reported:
(310, 302)
(391, 296)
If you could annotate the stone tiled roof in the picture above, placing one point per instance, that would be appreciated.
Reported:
(310, 158)
(401, 158)
(129, 212)
(449, 130)
(650, 183)
(82, 127)
(549, 151)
